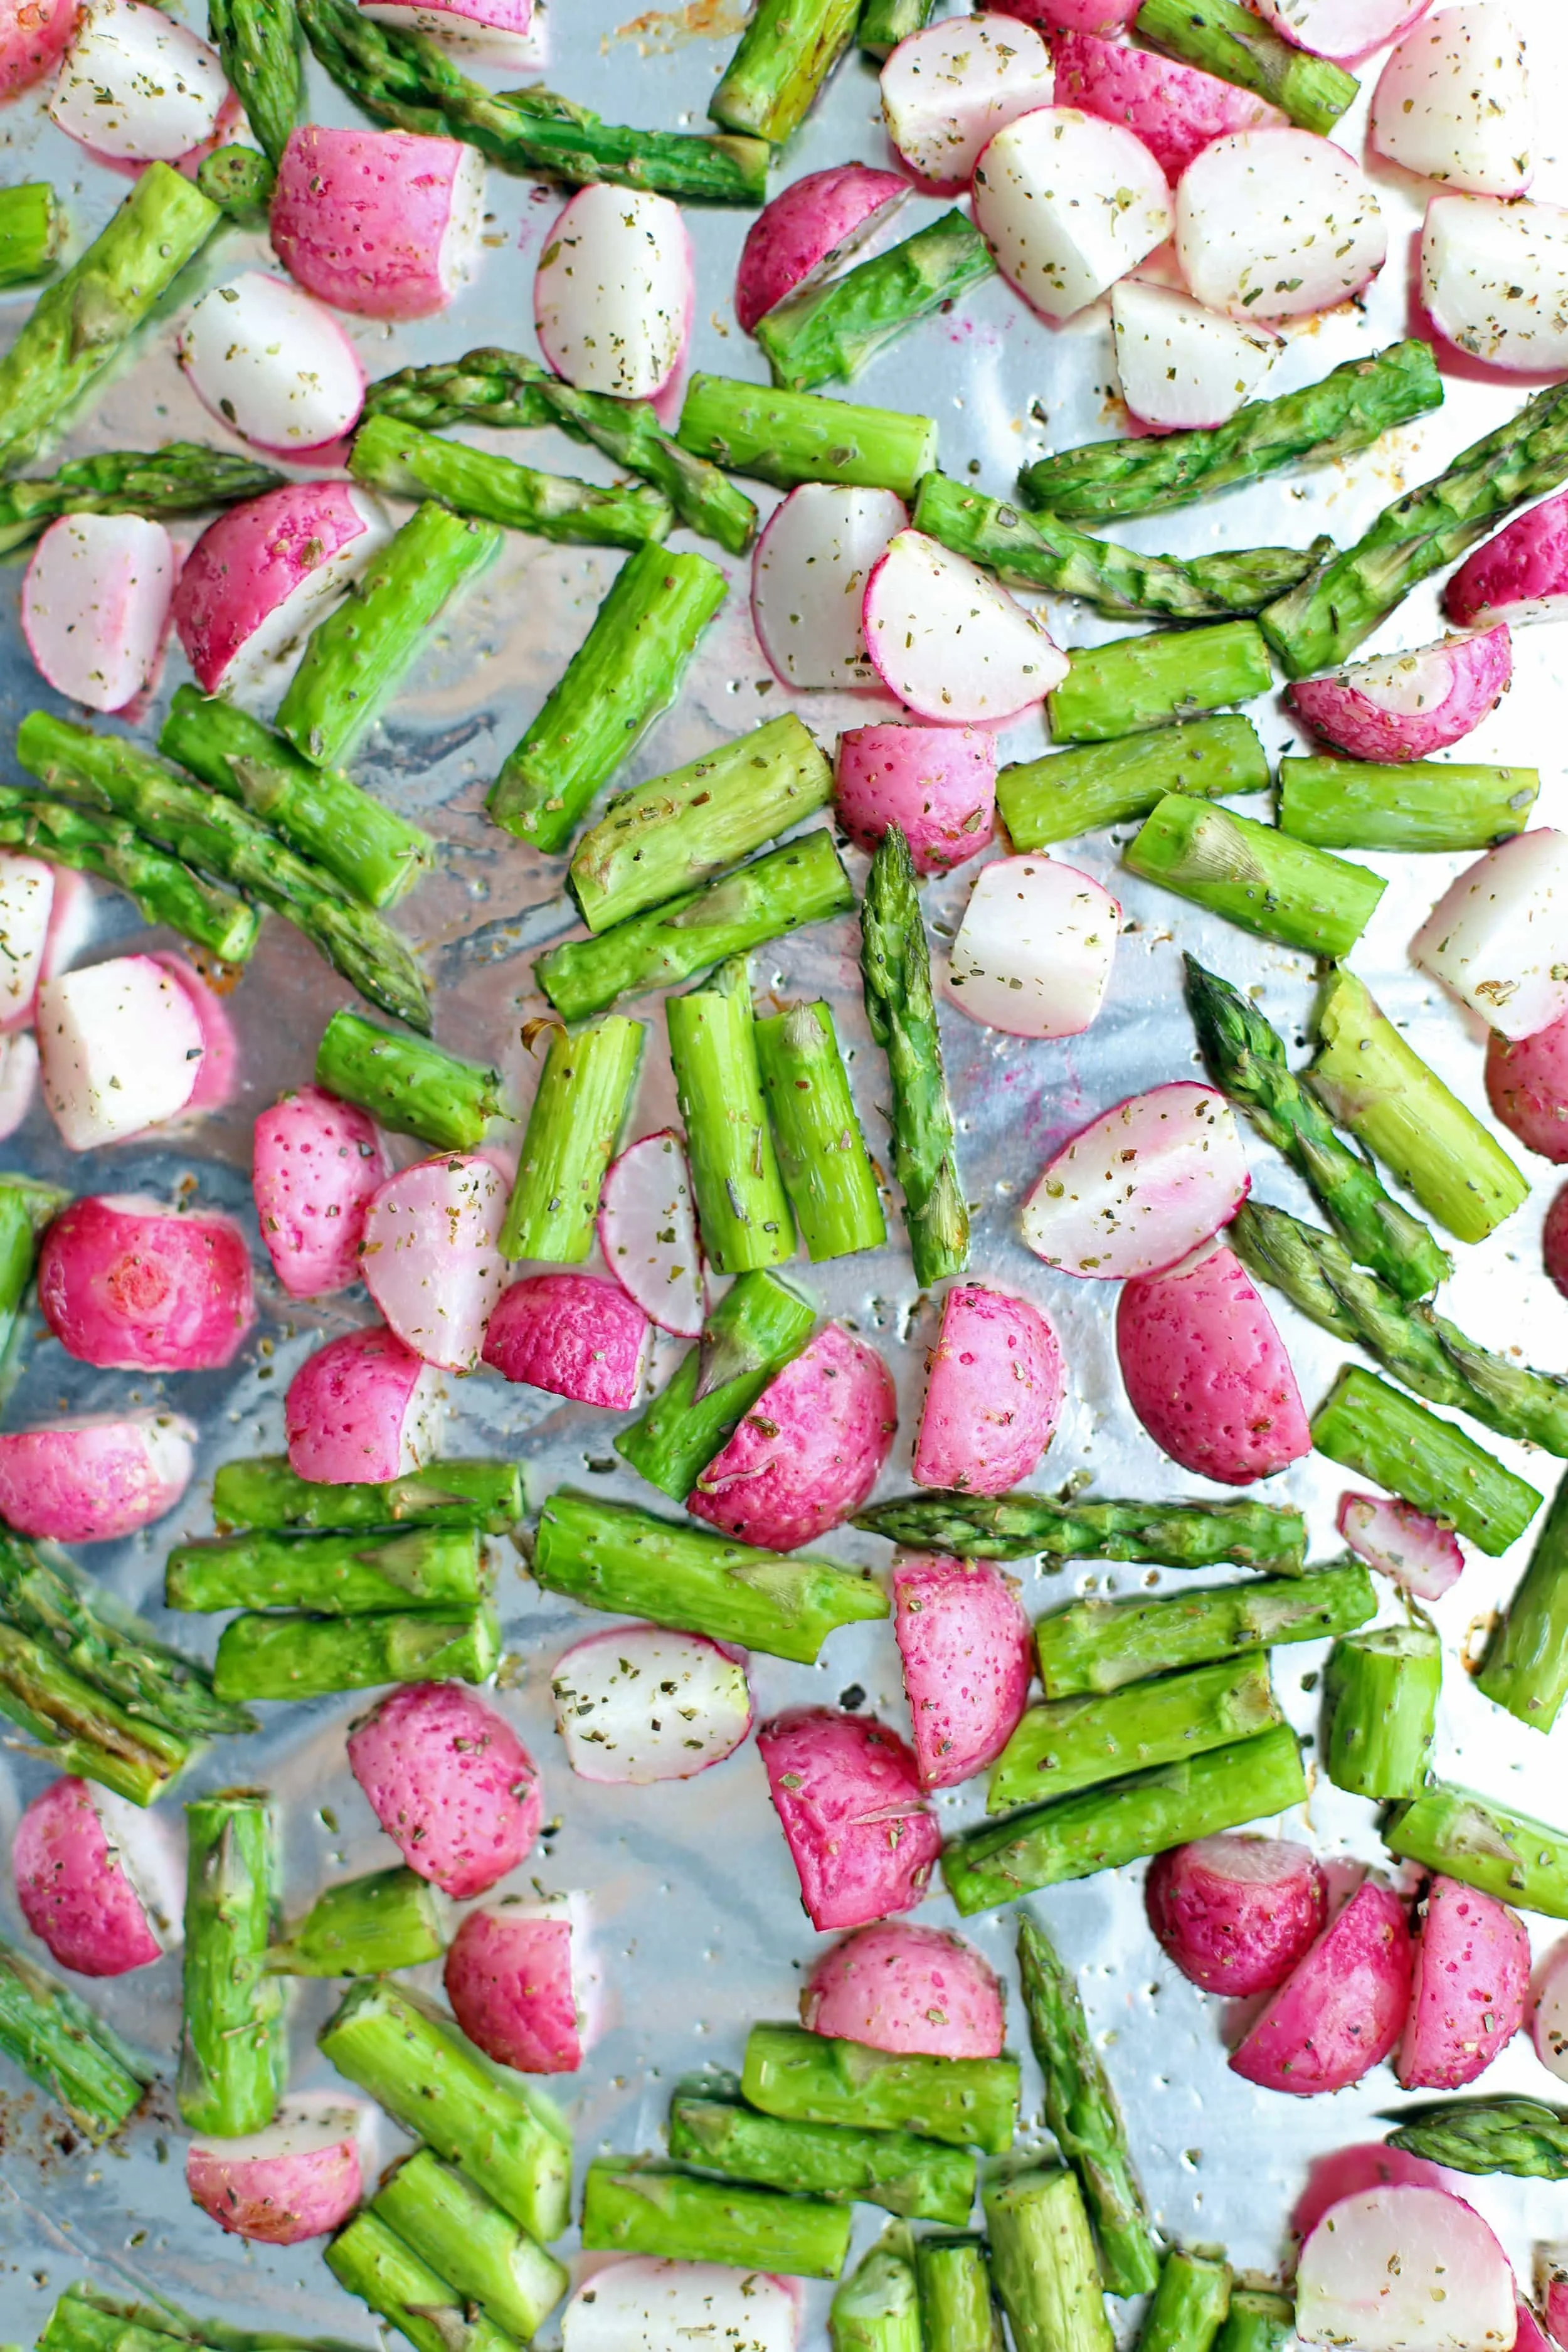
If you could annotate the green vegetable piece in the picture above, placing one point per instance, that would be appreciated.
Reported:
(407, 1084)
(579, 1109)
(1103, 1645)
(1025, 1526)
(817, 1132)
(919, 2179)
(239, 182)
(1041, 2257)
(958, 2310)
(492, 2262)
(785, 437)
(1256, 2322)
(1380, 1710)
(1509, 1854)
(1076, 1743)
(29, 232)
(633, 2206)
(308, 1657)
(408, 464)
(1219, 38)
(1190, 2305)
(1417, 805)
(364, 1927)
(1255, 876)
(72, 2055)
(371, 2261)
(267, 1493)
(810, 2078)
(1072, 793)
(182, 478)
(160, 887)
(829, 332)
(883, 24)
(233, 2048)
(1373, 1430)
(336, 1575)
(758, 1327)
(258, 41)
(1135, 683)
(895, 974)
(1521, 2136)
(877, 2309)
(742, 1209)
(786, 54)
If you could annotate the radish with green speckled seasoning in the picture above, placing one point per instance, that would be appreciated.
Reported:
(99, 1880)
(26, 901)
(262, 575)
(95, 606)
(1141, 1187)
(1069, 205)
(907, 1989)
(1034, 951)
(508, 33)
(967, 1654)
(810, 1450)
(136, 87)
(937, 784)
(1276, 225)
(19, 1079)
(1342, 2008)
(96, 1477)
(994, 1388)
(949, 641)
(1342, 29)
(300, 2178)
(1498, 939)
(217, 1073)
(316, 1165)
(1469, 1993)
(383, 223)
(808, 582)
(1419, 1554)
(808, 231)
(573, 1334)
(1236, 1914)
(1206, 1371)
(1175, 109)
(613, 291)
(648, 1232)
(647, 2305)
(120, 1047)
(362, 1410)
(1453, 101)
(640, 1704)
(128, 1284)
(520, 1985)
(430, 1255)
(273, 364)
(1494, 279)
(950, 86)
(862, 1838)
(1405, 2269)
(451, 1784)
(1408, 706)
(1178, 364)
(1520, 575)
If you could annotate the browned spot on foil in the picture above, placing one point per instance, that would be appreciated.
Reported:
(658, 31)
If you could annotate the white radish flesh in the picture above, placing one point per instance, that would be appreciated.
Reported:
(1276, 225)
(26, 901)
(638, 1704)
(1453, 101)
(1180, 365)
(1419, 1554)
(808, 582)
(613, 292)
(272, 363)
(95, 606)
(383, 223)
(507, 32)
(1494, 278)
(1548, 2013)
(949, 88)
(431, 1255)
(1408, 706)
(1069, 205)
(135, 86)
(99, 1880)
(648, 1232)
(260, 579)
(18, 1079)
(99, 1477)
(1498, 939)
(1405, 2269)
(1141, 1187)
(808, 231)
(948, 642)
(1034, 951)
(120, 1047)
(1344, 29)
(647, 2305)
(298, 2178)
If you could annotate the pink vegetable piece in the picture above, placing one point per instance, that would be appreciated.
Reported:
(33, 36)
(1419, 1554)
(915, 1990)
(1342, 29)
(513, 1983)
(298, 2178)
(490, 32)
(948, 89)
(948, 640)
(1403, 2269)
(1555, 1241)
(317, 1163)
(260, 578)
(364, 1407)
(1407, 706)
(95, 1477)
(648, 1232)
(1350, 2172)
(1341, 2008)
(1527, 1087)
(120, 1047)
(1549, 2012)
(846, 1790)
(573, 1334)
(811, 229)
(97, 1879)
(1236, 1914)
(1207, 1374)
(1551, 2286)
(810, 1450)
(95, 604)
(1522, 574)
(1174, 109)
(808, 582)
(993, 1394)
(217, 1074)
(1141, 1187)
(382, 223)
(1468, 1997)
(1532, 2336)
(128, 1284)
(451, 1784)
(1077, 15)
(967, 1654)
(938, 783)
(431, 1255)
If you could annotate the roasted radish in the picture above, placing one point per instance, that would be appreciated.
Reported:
(1343, 30)
(27, 900)
(810, 1450)
(1206, 1372)
(1468, 1997)
(643, 2305)
(1406, 2269)
(648, 1232)
(994, 1388)
(1494, 279)
(431, 1255)
(363, 1408)
(573, 1334)
(126, 1283)
(1453, 101)
(98, 1879)
(1141, 1186)
(1174, 109)
(95, 604)
(120, 1047)
(33, 36)
(95, 1477)
(383, 223)
(1081, 15)
(1341, 2008)
(950, 642)
(450, 1783)
(1236, 1914)
(519, 1984)
(1549, 2012)
(1555, 1241)
(965, 1647)
(909, 1989)
(953, 86)
(1520, 575)
(217, 1073)
(19, 1079)
(1069, 204)
(1408, 706)
(809, 230)
(317, 1164)
(613, 292)
(1350, 2171)
(640, 1704)
(861, 1837)
(1498, 939)
(260, 579)
(1419, 1554)
(1034, 951)
(1527, 1087)
(135, 86)
(272, 363)
(1178, 364)
(1276, 225)
(507, 32)
(298, 2178)
(937, 783)
(808, 582)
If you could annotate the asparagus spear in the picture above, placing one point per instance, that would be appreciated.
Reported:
(583, 1094)
(1024, 1527)
(161, 889)
(786, 54)
(240, 181)
(388, 1920)
(1083, 2114)
(373, 2263)
(811, 2078)
(919, 2179)
(338, 1575)
(742, 1209)
(1509, 1854)
(1219, 38)
(878, 2308)
(1246, 1058)
(25, 1210)
(234, 2049)
(467, 2238)
(627, 669)
(180, 479)
(1075, 1743)
(958, 2309)
(408, 464)
(609, 1555)
(883, 24)
(407, 1084)
(266, 1492)
(1102, 1645)
(632, 2206)
(72, 2055)
(817, 1132)
(1042, 2256)
(1255, 875)
(1421, 804)
(113, 2322)
(1373, 1430)
(785, 437)
(1256, 2322)
(1151, 681)
(75, 1726)
(310, 1657)
(1190, 2305)
(832, 331)
(1071, 792)
(758, 1327)
(1380, 1710)
(1521, 2136)
(895, 971)
(1526, 1665)
(29, 232)
(258, 41)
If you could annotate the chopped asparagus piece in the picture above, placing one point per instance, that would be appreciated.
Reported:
(1075, 1743)
(1219, 38)
(1102, 1645)
(408, 464)
(1521, 2136)
(29, 232)
(233, 2048)
(785, 437)
(1380, 1710)
(1134, 683)
(633, 2206)
(373, 2263)
(584, 1092)
(830, 332)
(161, 889)
(388, 1920)
(407, 1084)
(1025, 1526)
(743, 1210)
(1419, 804)
(1255, 875)
(267, 1493)
(885, 23)
(309, 1657)
(240, 182)
(1072, 793)
(895, 973)
(919, 2179)
(1042, 2256)
(811, 2078)
(1370, 1429)
(1190, 2305)
(958, 2310)
(180, 479)
(73, 1725)
(877, 2309)
(1509, 1854)
(1526, 1665)
(1256, 2322)
(816, 1131)
(786, 54)
(72, 2055)
(468, 2240)
(758, 1327)
(336, 1575)
(258, 41)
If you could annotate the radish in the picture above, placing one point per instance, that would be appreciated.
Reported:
(1498, 939)
(26, 901)
(317, 1164)
(260, 579)
(648, 1232)
(1137, 1189)
(96, 1476)
(1180, 365)
(98, 1879)
(1555, 1241)
(95, 604)
(967, 1652)
(1453, 101)
(431, 1255)
(1408, 706)
(1174, 109)
(1348, 2172)
(489, 32)
(1419, 1554)
(273, 364)
(130, 1286)
(809, 1452)
(1532, 2336)
(1551, 2286)
(1494, 279)
(613, 291)
(1034, 951)
(33, 36)
(136, 87)
(1343, 30)
(950, 86)
(1080, 15)
(1549, 2012)
(1527, 1087)
(937, 783)
(950, 642)
(808, 582)
(1406, 2269)
(914, 1991)
(1206, 1372)
(364, 1408)
(1520, 575)
(1342, 2006)
(639, 1704)
(862, 1839)
(649, 2306)
(217, 1073)
(1468, 1997)
(1236, 1914)
(994, 1388)
(120, 1047)
(450, 1783)
(383, 223)
(517, 1980)
(808, 231)
(573, 1334)
(298, 2178)
(1069, 205)
(19, 1079)
(1276, 225)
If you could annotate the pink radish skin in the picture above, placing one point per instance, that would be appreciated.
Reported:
(33, 36)
(1276, 225)
(298, 2179)
(613, 292)
(648, 1232)
(431, 1255)
(808, 1454)
(27, 900)
(1236, 1914)
(95, 606)
(1142, 1186)
(510, 1979)
(1520, 575)
(489, 32)
(128, 1284)
(96, 1478)
(1067, 205)
(1469, 1994)
(1179, 365)
(97, 1880)
(948, 642)
(1106, 16)
(1533, 2335)
(1406, 2269)
(808, 231)
(317, 1164)
(645, 2301)
(1341, 2010)
(362, 1407)
(1408, 706)
(1034, 949)
(382, 223)
(965, 1648)
(937, 783)
(1494, 280)
(993, 1389)
(1206, 1372)
(19, 1079)
(641, 1704)
(1549, 2012)
(450, 1783)
(846, 1792)
(1551, 2286)
(808, 582)
(1419, 1554)
(1555, 1241)
(260, 579)
(1453, 102)
(1350, 2171)
(1498, 939)
(573, 1334)
(135, 86)
(217, 1073)
(121, 1050)
(273, 364)
(1342, 29)
(913, 1990)
(949, 88)
(1174, 109)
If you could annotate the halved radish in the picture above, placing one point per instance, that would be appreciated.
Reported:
(1498, 939)
(1206, 1371)
(573, 1334)
(137, 86)
(1276, 224)
(1174, 109)
(431, 1255)
(937, 783)
(1034, 951)
(120, 1047)
(27, 900)
(316, 1165)
(95, 606)
(953, 86)
(913, 1990)
(1340, 2011)
(1419, 1554)
(808, 582)
(508, 33)
(451, 1784)
(1350, 2172)
(995, 1385)
(260, 579)
(364, 1407)
(862, 1838)
(1468, 1997)
(950, 642)
(1080, 16)
(809, 230)
(1236, 1914)
(1069, 205)
(99, 1880)
(272, 363)
(967, 1652)
(1551, 2286)
(1407, 706)
(383, 223)
(1453, 101)
(19, 1079)
(217, 1075)
(1341, 29)
(613, 291)
(1549, 2012)
(810, 1450)
(1520, 575)
(1494, 278)
(128, 1285)
(630, 2306)
(1405, 2269)
(298, 2178)
(639, 1704)
(1141, 1186)
(96, 1476)
(1180, 365)
(648, 1232)
(33, 36)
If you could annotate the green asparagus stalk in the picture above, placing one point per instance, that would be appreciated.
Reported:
(1123, 1821)
(161, 889)
(1256, 2322)
(817, 1132)
(1322, 623)
(240, 182)
(468, 2240)
(801, 882)
(904, 2174)
(113, 2322)
(583, 1094)
(1102, 1645)
(1246, 1058)
(1521, 2136)
(1134, 683)
(503, 2133)
(680, 829)
(609, 1555)
(258, 41)
(29, 232)
(785, 56)
(1370, 1429)
(1025, 1526)
(309, 1657)
(1255, 875)
(180, 479)
(266, 1492)
(1380, 1710)
(627, 670)
(742, 1209)
(883, 24)
(373, 2263)
(632, 2206)
(1071, 793)
(74, 1726)
(958, 2309)
(25, 1210)
(234, 2049)
(71, 2054)
(1083, 2114)
(407, 1084)
(338, 1575)
(829, 333)
(895, 972)
(1042, 2256)
(1219, 38)
(1509, 1854)
(1190, 2305)
(878, 2308)
(408, 464)
(811, 2078)
(388, 1920)
(785, 437)
(758, 1327)
(1526, 1665)
(1075, 1743)
(1421, 804)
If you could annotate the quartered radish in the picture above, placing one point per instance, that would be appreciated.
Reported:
(938, 784)
(1034, 951)
(913, 1990)
(809, 230)
(33, 36)
(508, 33)
(1408, 706)
(1069, 204)
(298, 2178)
(120, 1047)
(1405, 2269)
(1527, 1087)
(1549, 2012)
(520, 1983)
(1469, 1994)
(383, 223)
(649, 2306)
(994, 1388)
(451, 1784)
(99, 1880)
(217, 1074)
(953, 86)
(1498, 939)
(1494, 279)
(364, 1407)
(573, 1334)
(614, 290)
(26, 901)
(1236, 1914)
(1139, 1188)
(1453, 101)
(1419, 1554)
(316, 1164)
(95, 1477)
(862, 1838)
(1180, 365)
(272, 363)
(950, 642)
(1276, 224)
(809, 1452)
(128, 1285)
(137, 86)
(1175, 109)
(639, 1704)
(648, 1232)
(1081, 15)
(967, 1652)
(1206, 1371)
(95, 606)
(1343, 30)
(1350, 2172)
(1551, 2288)
(1340, 2011)
(262, 575)
(1520, 575)
(19, 1079)
(431, 1255)
(808, 582)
